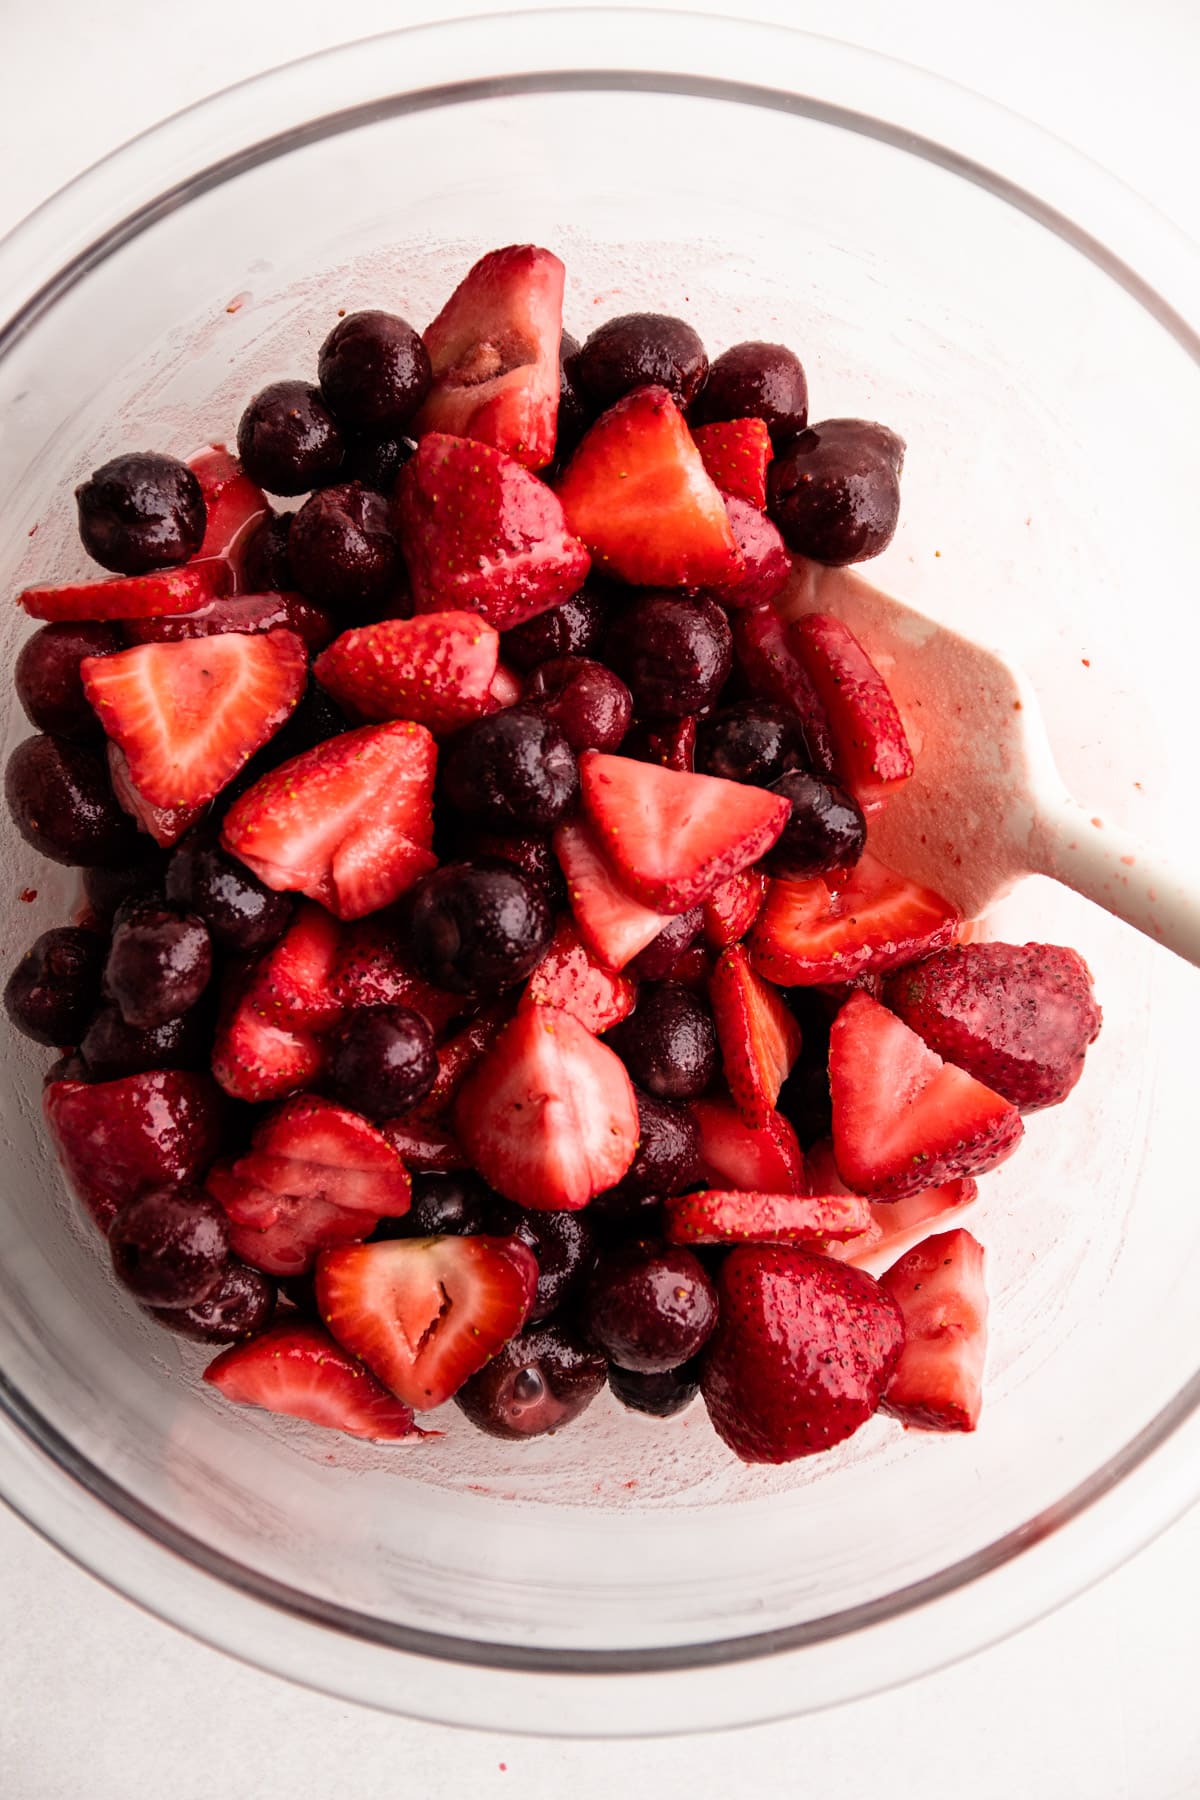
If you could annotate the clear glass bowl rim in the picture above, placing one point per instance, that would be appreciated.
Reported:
(970, 1603)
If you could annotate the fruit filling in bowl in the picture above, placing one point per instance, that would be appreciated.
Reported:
(484, 987)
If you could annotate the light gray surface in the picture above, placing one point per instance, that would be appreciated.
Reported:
(1097, 1702)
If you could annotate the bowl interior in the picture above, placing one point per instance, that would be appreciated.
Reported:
(1047, 495)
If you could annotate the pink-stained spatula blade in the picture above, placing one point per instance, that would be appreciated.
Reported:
(986, 804)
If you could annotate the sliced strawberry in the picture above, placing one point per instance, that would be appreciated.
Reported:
(612, 924)
(232, 501)
(672, 838)
(732, 908)
(238, 612)
(774, 671)
(870, 747)
(1018, 1016)
(480, 532)
(903, 1119)
(427, 1146)
(348, 823)
(738, 1217)
(733, 1154)
(130, 596)
(568, 976)
(810, 932)
(759, 1038)
(736, 453)
(298, 1370)
(255, 1059)
(188, 716)
(280, 1233)
(426, 1313)
(316, 1174)
(766, 561)
(310, 1149)
(494, 350)
(637, 492)
(939, 1288)
(894, 1224)
(371, 970)
(165, 824)
(437, 669)
(292, 985)
(549, 1116)
(803, 1351)
(671, 743)
(118, 1140)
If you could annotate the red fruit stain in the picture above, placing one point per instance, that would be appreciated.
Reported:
(1086, 661)
(503, 1768)
(32, 532)
(28, 895)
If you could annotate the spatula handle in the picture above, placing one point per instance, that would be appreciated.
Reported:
(1158, 895)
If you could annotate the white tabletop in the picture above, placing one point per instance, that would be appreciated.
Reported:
(1098, 1702)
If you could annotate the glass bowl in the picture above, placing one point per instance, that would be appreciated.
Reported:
(1027, 325)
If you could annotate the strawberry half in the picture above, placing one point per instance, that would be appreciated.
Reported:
(117, 1140)
(549, 1116)
(637, 492)
(437, 669)
(802, 1353)
(371, 970)
(939, 1288)
(894, 1224)
(480, 532)
(759, 1038)
(299, 1370)
(279, 1233)
(310, 1149)
(738, 1217)
(734, 1154)
(811, 933)
(316, 1174)
(292, 985)
(130, 596)
(348, 823)
(254, 1058)
(736, 453)
(903, 1119)
(671, 837)
(772, 669)
(732, 908)
(188, 716)
(569, 977)
(233, 503)
(871, 749)
(494, 348)
(425, 1313)
(612, 924)
(1018, 1016)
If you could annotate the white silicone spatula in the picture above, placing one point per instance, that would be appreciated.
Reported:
(986, 804)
